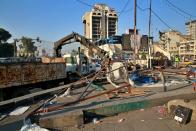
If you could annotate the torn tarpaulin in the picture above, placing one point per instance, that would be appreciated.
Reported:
(142, 79)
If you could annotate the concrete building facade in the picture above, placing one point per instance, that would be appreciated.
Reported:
(191, 29)
(100, 23)
(178, 44)
(170, 41)
(187, 50)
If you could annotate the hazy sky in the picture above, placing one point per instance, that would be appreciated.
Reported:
(53, 19)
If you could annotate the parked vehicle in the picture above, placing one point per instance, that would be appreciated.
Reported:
(75, 65)
(15, 75)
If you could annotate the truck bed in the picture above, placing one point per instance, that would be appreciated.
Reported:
(18, 74)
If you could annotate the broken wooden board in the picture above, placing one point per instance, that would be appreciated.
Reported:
(134, 92)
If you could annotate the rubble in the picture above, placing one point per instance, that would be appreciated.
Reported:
(134, 90)
(121, 120)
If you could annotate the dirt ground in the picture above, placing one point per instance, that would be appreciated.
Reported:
(152, 119)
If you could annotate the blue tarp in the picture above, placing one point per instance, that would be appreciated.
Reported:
(140, 80)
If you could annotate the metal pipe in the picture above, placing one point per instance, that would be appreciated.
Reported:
(83, 80)
(58, 107)
(106, 92)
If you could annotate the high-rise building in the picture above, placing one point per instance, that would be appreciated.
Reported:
(191, 29)
(100, 23)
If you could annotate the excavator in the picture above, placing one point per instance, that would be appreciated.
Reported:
(117, 69)
(75, 37)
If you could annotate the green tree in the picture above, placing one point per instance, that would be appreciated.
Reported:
(28, 45)
(6, 49)
(4, 35)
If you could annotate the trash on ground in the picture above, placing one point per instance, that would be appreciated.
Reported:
(19, 110)
(182, 114)
(121, 120)
(141, 109)
(2, 116)
(162, 110)
(66, 93)
(97, 87)
(173, 104)
(96, 121)
(32, 127)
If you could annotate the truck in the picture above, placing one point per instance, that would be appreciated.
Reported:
(78, 64)
(17, 75)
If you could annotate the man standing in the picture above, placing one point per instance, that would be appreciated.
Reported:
(177, 60)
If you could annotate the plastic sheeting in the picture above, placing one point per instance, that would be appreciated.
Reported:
(32, 127)
(19, 110)
(140, 80)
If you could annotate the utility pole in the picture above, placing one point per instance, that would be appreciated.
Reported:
(135, 12)
(149, 36)
(135, 30)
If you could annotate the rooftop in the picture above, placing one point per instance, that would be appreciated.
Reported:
(103, 7)
(193, 21)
